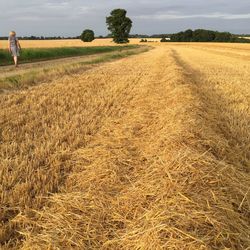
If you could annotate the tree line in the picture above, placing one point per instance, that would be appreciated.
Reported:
(79, 37)
(41, 37)
(202, 35)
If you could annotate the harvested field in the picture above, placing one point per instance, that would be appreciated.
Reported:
(148, 152)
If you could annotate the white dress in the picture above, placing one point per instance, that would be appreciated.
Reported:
(13, 46)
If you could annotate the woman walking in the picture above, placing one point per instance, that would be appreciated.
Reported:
(14, 47)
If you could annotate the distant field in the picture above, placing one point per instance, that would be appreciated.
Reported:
(68, 43)
(59, 43)
(104, 42)
(40, 54)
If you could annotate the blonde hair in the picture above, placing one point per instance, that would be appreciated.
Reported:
(12, 33)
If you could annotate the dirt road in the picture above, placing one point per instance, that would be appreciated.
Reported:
(149, 152)
(10, 70)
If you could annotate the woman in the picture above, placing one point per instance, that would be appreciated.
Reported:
(14, 47)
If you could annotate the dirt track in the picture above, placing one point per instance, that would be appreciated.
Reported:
(10, 70)
(150, 152)
(7, 71)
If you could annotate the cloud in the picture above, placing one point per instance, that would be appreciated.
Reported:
(69, 17)
(176, 15)
(46, 11)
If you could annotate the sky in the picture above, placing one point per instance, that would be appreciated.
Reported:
(70, 17)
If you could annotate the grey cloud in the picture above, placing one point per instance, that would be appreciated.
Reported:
(176, 15)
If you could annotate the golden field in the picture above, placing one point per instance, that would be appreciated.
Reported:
(148, 152)
(109, 42)
(68, 43)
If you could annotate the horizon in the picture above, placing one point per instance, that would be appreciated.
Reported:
(107, 35)
(68, 18)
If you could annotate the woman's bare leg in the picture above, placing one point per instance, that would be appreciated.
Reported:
(15, 61)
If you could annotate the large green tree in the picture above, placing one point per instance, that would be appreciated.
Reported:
(87, 36)
(119, 25)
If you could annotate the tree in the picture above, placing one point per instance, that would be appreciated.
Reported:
(119, 25)
(87, 36)
(201, 35)
(223, 36)
(188, 34)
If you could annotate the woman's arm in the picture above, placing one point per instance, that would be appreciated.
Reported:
(9, 45)
(18, 44)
